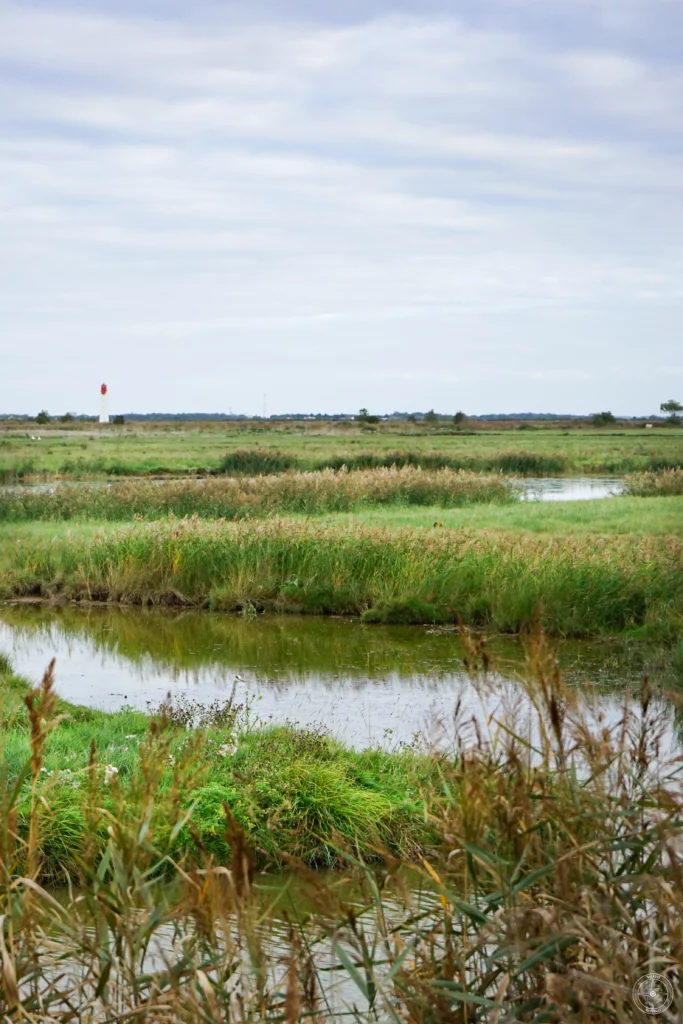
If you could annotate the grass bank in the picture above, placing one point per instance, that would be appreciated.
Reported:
(287, 493)
(582, 585)
(552, 889)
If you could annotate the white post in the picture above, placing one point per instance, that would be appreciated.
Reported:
(104, 404)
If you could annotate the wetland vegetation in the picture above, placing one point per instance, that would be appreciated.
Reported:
(78, 451)
(542, 852)
(581, 586)
(284, 494)
(552, 883)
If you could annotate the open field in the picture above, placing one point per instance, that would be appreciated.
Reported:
(535, 853)
(583, 585)
(157, 448)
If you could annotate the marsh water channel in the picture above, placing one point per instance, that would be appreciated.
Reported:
(560, 488)
(366, 685)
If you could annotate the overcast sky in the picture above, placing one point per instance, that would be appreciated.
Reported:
(468, 205)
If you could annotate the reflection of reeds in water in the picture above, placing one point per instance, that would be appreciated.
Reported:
(554, 868)
(278, 652)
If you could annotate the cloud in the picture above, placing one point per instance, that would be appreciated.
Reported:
(389, 185)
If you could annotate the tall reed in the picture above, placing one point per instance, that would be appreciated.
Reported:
(584, 586)
(522, 463)
(552, 889)
(307, 493)
(655, 484)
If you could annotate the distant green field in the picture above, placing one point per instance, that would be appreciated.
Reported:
(170, 448)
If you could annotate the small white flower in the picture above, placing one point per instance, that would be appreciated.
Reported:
(131, 736)
(227, 749)
(171, 759)
(110, 772)
(44, 770)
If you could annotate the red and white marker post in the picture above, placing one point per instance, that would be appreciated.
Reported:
(104, 404)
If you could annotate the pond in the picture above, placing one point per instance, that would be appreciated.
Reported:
(570, 488)
(365, 684)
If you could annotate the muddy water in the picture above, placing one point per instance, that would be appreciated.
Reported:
(364, 684)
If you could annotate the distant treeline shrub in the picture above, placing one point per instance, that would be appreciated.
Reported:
(216, 498)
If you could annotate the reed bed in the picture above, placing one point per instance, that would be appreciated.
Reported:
(305, 493)
(522, 463)
(666, 482)
(581, 586)
(514, 462)
(551, 890)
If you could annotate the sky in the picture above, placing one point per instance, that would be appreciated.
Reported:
(469, 205)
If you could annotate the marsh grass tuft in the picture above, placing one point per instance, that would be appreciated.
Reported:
(523, 463)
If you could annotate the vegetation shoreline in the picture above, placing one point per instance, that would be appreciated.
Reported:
(233, 498)
(533, 853)
(295, 793)
(578, 586)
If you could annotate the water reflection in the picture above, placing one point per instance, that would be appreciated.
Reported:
(365, 684)
(577, 488)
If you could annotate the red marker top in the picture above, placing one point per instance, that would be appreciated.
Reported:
(103, 389)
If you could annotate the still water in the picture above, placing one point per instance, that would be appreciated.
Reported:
(570, 488)
(365, 684)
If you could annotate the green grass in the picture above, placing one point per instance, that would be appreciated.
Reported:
(584, 585)
(293, 792)
(170, 448)
(609, 516)
(604, 517)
